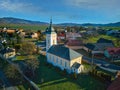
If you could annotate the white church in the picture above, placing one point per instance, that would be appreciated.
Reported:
(61, 56)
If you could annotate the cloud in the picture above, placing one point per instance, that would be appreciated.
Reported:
(94, 4)
(17, 6)
(104, 8)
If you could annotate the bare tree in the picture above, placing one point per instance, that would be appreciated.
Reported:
(12, 72)
(32, 63)
(28, 48)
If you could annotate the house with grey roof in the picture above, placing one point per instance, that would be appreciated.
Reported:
(61, 56)
(97, 48)
(7, 53)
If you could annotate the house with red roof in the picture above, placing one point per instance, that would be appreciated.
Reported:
(60, 36)
(72, 35)
(74, 44)
(112, 53)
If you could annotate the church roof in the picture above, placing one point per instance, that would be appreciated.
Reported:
(64, 52)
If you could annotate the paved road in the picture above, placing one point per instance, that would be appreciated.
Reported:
(7, 84)
(102, 64)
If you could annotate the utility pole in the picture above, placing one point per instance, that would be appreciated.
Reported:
(92, 61)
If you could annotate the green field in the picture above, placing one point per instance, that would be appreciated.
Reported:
(54, 80)
(113, 28)
(25, 27)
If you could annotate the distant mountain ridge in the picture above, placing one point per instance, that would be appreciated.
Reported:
(11, 20)
(117, 24)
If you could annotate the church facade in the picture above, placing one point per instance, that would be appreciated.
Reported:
(61, 56)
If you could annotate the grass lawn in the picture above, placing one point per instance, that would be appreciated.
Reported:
(21, 57)
(18, 58)
(21, 87)
(54, 80)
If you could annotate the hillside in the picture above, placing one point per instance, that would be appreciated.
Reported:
(11, 20)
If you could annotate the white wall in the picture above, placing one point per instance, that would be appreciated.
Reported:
(51, 39)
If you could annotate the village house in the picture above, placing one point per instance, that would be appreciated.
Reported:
(72, 35)
(112, 53)
(61, 56)
(74, 44)
(7, 53)
(99, 47)
(61, 37)
(34, 35)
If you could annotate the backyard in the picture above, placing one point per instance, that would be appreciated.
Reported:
(48, 78)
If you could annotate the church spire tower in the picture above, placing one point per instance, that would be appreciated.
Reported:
(51, 36)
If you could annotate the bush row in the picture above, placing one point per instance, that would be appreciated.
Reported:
(101, 75)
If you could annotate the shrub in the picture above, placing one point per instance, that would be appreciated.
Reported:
(57, 69)
(64, 72)
(73, 75)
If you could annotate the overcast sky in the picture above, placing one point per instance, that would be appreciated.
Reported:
(76, 11)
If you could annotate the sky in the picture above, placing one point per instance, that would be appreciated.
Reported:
(62, 11)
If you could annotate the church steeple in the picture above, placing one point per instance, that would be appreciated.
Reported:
(51, 21)
(50, 29)
(51, 36)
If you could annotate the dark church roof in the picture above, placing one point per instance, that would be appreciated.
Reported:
(64, 52)
(76, 65)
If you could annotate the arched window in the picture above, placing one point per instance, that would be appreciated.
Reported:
(56, 60)
(61, 62)
(65, 64)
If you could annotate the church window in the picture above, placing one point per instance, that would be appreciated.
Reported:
(65, 64)
(56, 60)
(61, 62)
(53, 58)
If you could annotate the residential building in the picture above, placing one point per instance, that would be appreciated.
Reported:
(7, 53)
(61, 37)
(75, 44)
(72, 35)
(34, 35)
(112, 53)
(97, 47)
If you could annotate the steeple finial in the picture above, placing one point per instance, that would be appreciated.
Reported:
(51, 21)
